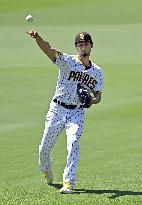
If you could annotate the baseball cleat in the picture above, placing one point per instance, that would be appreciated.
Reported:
(67, 188)
(48, 177)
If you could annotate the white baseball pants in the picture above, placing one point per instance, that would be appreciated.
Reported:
(57, 119)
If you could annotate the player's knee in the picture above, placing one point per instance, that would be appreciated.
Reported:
(42, 150)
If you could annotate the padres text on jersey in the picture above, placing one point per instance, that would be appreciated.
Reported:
(83, 78)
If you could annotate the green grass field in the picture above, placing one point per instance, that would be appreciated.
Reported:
(110, 166)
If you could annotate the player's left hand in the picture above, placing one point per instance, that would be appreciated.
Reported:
(84, 96)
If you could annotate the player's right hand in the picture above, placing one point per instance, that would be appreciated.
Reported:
(33, 33)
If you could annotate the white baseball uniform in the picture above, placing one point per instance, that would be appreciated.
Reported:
(71, 72)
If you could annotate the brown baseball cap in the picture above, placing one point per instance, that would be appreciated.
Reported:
(83, 37)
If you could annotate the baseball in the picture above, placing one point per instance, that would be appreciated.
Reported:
(29, 18)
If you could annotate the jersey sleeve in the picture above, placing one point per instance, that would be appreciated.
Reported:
(61, 59)
(99, 81)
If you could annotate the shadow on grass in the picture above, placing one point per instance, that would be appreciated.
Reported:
(114, 193)
(57, 186)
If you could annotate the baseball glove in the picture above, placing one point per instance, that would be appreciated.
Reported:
(84, 96)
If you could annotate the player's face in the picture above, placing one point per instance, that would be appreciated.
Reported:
(84, 48)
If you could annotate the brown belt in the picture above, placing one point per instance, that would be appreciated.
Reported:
(65, 105)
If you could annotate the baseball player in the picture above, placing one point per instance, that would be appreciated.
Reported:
(79, 86)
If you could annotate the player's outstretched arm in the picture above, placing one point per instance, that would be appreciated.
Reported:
(44, 46)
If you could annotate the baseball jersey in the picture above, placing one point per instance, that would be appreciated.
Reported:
(72, 72)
